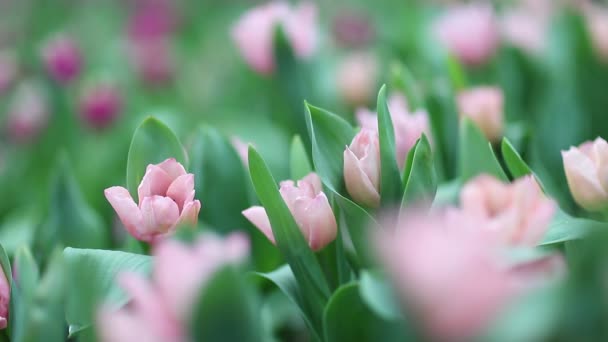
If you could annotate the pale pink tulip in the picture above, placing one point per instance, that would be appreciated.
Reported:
(62, 58)
(166, 200)
(309, 207)
(254, 32)
(525, 30)
(357, 76)
(485, 107)
(27, 112)
(5, 297)
(100, 105)
(153, 60)
(160, 308)
(362, 168)
(586, 170)
(519, 213)
(470, 32)
(408, 126)
(597, 25)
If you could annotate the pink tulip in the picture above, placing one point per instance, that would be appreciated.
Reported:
(408, 126)
(152, 20)
(8, 70)
(27, 113)
(525, 30)
(357, 76)
(62, 58)
(352, 29)
(160, 308)
(5, 298)
(309, 207)
(484, 106)
(100, 105)
(254, 32)
(362, 168)
(519, 213)
(597, 25)
(586, 170)
(166, 200)
(470, 32)
(153, 60)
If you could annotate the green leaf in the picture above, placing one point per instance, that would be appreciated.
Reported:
(347, 318)
(403, 80)
(517, 166)
(378, 295)
(226, 310)
(457, 75)
(329, 134)
(390, 187)
(420, 178)
(152, 143)
(289, 238)
(27, 271)
(564, 227)
(298, 159)
(476, 155)
(220, 180)
(91, 279)
(357, 221)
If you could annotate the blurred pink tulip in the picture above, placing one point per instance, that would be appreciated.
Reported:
(152, 19)
(597, 25)
(160, 308)
(586, 170)
(484, 106)
(519, 213)
(27, 113)
(309, 207)
(100, 105)
(8, 70)
(254, 32)
(62, 58)
(408, 126)
(166, 200)
(357, 76)
(362, 168)
(5, 298)
(525, 30)
(470, 32)
(153, 60)
(352, 29)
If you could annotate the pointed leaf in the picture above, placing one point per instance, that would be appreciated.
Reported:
(564, 227)
(420, 177)
(515, 163)
(476, 155)
(390, 182)
(358, 222)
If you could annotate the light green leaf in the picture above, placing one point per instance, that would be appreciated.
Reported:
(403, 80)
(378, 295)
(419, 177)
(390, 182)
(564, 227)
(358, 222)
(476, 155)
(517, 166)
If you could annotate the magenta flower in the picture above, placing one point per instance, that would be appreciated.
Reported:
(62, 58)
(362, 168)
(153, 60)
(160, 308)
(166, 200)
(586, 170)
(485, 107)
(254, 32)
(27, 113)
(309, 207)
(5, 299)
(100, 105)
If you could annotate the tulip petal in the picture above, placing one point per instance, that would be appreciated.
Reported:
(358, 183)
(173, 168)
(321, 223)
(258, 217)
(583, 181)
(160, 214)
(182, 190)
(156, 181)
(190, 212)
(125, 208)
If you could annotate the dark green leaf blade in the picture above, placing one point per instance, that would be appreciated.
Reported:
(390, 182)
(420, 177)
(476, 155)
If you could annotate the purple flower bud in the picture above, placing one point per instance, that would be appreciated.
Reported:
(62, 59)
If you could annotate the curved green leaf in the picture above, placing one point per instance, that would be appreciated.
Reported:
(476, 155)
(390, 182)
(517, 166)
(419, 177)
(378, 295)
(564, 228)
(357, 221)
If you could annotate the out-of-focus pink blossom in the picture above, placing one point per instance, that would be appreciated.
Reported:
(408, 126)
(5, 298)
(153, 60)
(254, 32)
(242, 149)
(597, 25)
(8, 70)
(470, 32)
(309, 207)
(152, 19)
(362, 168)
(100, 105)
(525, 30)
(62, 58)
(485, 107)
(357, 76)
(160, 308)
(27, 112)
(352, 29)
(166, 200)
(519, 213)
(586, 170)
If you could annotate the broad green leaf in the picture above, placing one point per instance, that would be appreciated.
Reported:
(517, 166)
(447, 194)
(390, 182)
(220, 180)
(298, 159)
(358, 222)
(347, 318)
(27, 276)
(476, 155)
(226, 310)
(289, 238)
(420, 178)
(564, 227)
(329, 134)
(152, 143)
(91, 279)
(378, 295)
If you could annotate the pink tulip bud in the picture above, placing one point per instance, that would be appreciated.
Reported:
(254, 32)
(470, 32)
(519, 213)
(166, 200)
(5, 298)
(160, 308)
(362, 168)
(62, 58)
(356, 77)
(100, 105)
(586, 170)
(153, 60)
(408, 127)
(310, 209)
(27, 112)
(484, 106)
(8, 70)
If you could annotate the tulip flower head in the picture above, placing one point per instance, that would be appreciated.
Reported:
(166, 200)
(519, 213)
(62, 58)
(356, 77)
(27, 113)
(254, 32)
(485, 107)
(362, 168)
(586, 170)
(309, 207)
(160, 308)
(100, 105)
(408, 126)
(5, 297)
